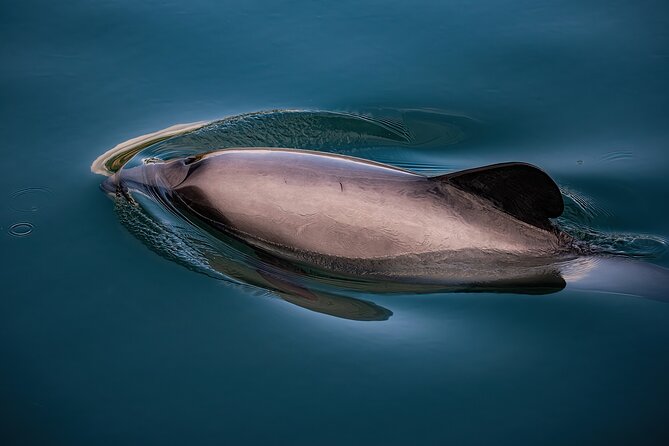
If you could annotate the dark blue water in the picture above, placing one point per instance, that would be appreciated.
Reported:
(104, 341)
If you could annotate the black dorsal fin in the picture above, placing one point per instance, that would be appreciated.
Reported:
(519, 189)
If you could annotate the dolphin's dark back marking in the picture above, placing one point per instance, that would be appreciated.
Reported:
(519, 189)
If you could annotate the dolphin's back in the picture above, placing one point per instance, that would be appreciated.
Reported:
(294, 202)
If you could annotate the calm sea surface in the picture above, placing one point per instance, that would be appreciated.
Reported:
(104, 341)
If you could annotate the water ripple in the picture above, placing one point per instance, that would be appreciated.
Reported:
(21, 229)
(29, 199)
(617, 156)
(580, 217)
(327, 131)
(579, 207)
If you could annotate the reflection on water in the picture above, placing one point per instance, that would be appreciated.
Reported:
(164, 228)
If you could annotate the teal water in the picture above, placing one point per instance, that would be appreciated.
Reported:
(104, 341)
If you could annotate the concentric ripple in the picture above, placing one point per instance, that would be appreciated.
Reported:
(29, 199)
(21, 229)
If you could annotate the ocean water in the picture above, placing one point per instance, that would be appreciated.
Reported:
(106, 339)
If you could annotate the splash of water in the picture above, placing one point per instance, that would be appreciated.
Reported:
(580, 218)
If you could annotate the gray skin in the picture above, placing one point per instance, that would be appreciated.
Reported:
(308, 213)
(355, 217)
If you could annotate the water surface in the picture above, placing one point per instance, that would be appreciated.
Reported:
(104, 341)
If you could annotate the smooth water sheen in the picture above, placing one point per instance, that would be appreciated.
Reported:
(110, 336)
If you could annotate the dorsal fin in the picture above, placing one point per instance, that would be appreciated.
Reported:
(519, 189)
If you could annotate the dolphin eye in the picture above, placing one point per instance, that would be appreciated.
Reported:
(189, 160)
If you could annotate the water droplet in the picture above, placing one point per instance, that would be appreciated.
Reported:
(21, 229)
(29, 199)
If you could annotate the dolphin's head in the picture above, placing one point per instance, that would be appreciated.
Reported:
(150, 175)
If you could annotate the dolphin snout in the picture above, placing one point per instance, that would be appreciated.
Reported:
(110, 184)
(166, 175)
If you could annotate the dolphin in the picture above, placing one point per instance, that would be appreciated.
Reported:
(345, 214)
(390, 229)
